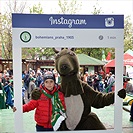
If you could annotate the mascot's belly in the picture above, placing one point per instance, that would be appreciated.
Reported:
(75, 107)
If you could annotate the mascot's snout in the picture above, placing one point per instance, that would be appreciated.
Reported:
(64, 67)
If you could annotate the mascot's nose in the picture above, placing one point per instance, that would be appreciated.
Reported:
(64, 67)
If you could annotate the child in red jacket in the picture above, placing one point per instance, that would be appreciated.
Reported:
(50, 107)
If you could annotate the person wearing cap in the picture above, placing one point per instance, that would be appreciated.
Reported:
(50, 104)
(111, 82)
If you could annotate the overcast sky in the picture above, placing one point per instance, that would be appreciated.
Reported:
(107, 6)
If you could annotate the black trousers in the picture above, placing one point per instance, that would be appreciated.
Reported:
(41, 128)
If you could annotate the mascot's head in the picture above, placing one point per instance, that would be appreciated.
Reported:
(66, 63)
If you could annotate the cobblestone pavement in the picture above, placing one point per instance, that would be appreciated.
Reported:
(105, 115)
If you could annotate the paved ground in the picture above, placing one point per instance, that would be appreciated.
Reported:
(105, 115)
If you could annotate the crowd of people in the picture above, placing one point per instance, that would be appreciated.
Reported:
(31, 79)
(6, 85)
(100, 82)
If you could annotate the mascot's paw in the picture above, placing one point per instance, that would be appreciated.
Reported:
(122, 93)
(36, 93)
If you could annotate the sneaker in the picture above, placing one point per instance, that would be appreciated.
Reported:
(131, 119)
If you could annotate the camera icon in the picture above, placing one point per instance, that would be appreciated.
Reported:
(109, 22)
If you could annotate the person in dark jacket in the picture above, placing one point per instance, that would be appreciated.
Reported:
(8, 88)
(50, 107)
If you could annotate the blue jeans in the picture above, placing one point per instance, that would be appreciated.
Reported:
(41, 128)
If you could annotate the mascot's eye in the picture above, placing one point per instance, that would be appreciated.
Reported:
(71, 53)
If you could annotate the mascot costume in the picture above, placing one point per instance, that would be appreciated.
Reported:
(79, 96)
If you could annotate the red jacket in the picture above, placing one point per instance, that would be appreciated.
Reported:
(43, 107)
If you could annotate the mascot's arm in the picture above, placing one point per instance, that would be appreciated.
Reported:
(99, 100)
(35, 94)
(102, 100)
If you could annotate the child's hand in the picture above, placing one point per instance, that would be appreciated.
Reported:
(14, 109)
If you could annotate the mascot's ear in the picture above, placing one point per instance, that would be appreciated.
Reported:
(73, 49)
(56, 51)
(62, 48)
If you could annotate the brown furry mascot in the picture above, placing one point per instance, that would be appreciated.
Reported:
(79, 97)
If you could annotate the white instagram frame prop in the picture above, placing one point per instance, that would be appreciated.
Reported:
(41, 30)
